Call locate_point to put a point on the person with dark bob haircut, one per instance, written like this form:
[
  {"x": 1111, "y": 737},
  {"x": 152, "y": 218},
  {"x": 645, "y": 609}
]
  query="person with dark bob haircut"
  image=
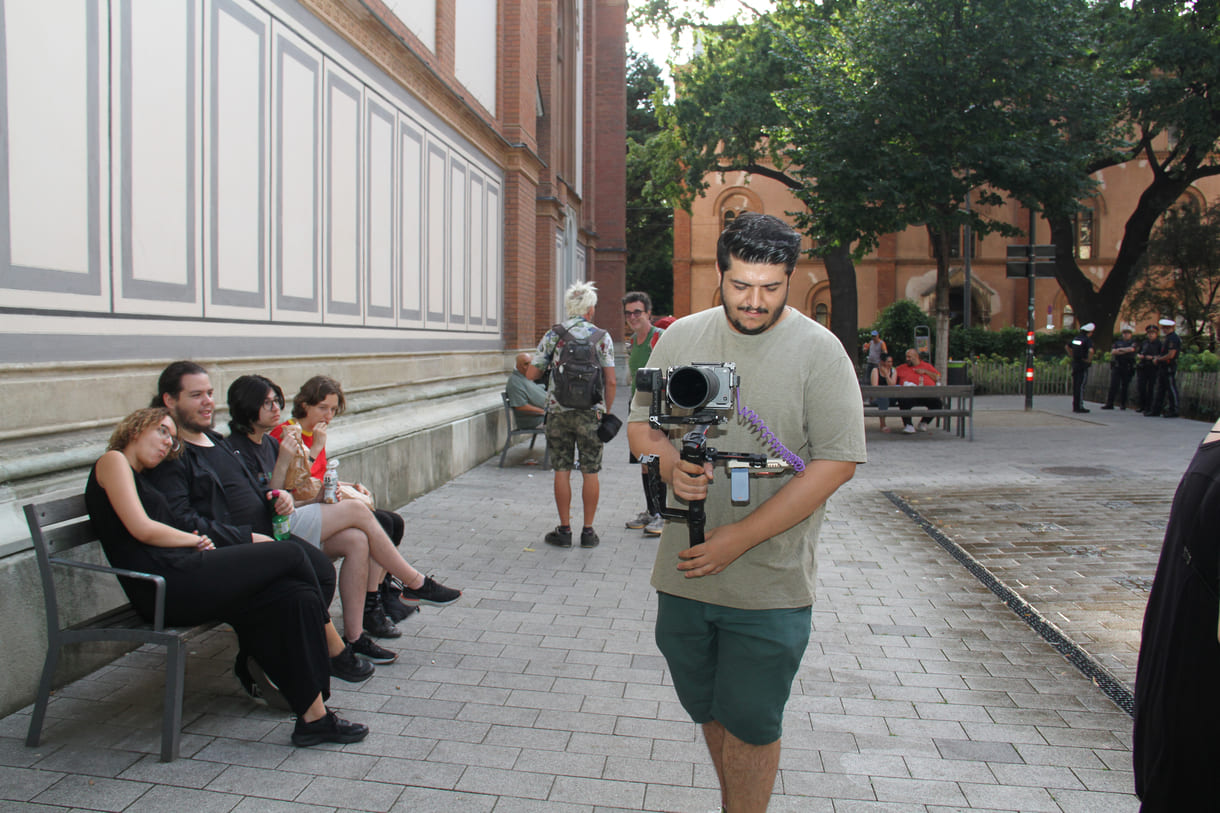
[
  {"x": 388, "y": 597},
  {"x": 268, "y": 593}
]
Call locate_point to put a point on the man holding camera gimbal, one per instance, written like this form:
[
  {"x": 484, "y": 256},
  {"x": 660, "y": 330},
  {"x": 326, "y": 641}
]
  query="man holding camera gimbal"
[{"x": 734, "y": 613}]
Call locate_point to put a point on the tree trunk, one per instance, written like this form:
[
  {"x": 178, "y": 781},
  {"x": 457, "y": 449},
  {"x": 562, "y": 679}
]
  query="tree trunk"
[
  {"x": 940, "y": 239},
  {"x": 844, "y": 309},
  {"x": 1102, "y": 306}
]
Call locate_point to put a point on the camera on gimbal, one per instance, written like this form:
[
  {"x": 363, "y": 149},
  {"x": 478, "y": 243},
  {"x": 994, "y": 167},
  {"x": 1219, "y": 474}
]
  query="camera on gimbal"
[{"x": 703, "y": 390}]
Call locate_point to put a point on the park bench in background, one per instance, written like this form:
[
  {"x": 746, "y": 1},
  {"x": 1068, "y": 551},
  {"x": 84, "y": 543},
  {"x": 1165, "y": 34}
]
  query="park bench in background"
[
  {"x": 962, "y": 410},
  {"x": 61, "y": 524},
  {"x": 510, "y": 419}
]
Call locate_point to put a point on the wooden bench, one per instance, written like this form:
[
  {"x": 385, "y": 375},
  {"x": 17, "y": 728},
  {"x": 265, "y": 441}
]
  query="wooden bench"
[
  {"x": 963, "y": 409},
  {"x": 60, "y": 524}
]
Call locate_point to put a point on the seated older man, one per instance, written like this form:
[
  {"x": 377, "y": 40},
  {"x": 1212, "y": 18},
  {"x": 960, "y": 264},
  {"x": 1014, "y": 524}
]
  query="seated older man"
[
  {"x": 527, "y": 398},
  {"x": 916, "y": 373}
]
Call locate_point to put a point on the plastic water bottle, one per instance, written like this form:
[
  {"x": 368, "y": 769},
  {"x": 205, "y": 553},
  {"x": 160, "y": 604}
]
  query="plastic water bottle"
[
  {"x": 330, "y": 482},
  {"x": 279, "y": 522}
]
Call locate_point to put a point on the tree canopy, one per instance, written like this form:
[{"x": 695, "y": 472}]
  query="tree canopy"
[{"x": 883, "y": 114}]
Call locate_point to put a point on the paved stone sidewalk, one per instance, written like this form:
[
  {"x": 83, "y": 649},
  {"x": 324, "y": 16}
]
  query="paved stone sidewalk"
[{"x": 542, "y": 689}]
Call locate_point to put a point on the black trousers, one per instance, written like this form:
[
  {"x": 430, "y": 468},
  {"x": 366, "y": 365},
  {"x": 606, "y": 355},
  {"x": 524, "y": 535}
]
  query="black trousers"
[
  {"x": 911, "y": 403},
  {"x": 1079, "y": 373},
  {"x": 1145, "y": 383},
  {"x": 1120, "y": 384},
  {"x": 269, "y": 593},
  {"x": 1166, "y": 402}
]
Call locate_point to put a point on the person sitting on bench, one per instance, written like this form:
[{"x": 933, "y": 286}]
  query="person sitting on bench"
[
  {"x": 269, "y": 592},
  {"x": 916, "y": 373},
  {"x": 346, "y": 529}
]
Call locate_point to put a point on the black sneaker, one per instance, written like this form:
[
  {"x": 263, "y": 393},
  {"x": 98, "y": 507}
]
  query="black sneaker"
[
  {"x": 367, "y": 648},
  {"x": 346, "y": 666},
  {"x": 376, "y": 622},
  {"x": 588, "y": 538},
  {"x": 559, "y": 537},
  {"x": 391, "y": 600},
  {"x": 327, "y": 729},
  {"x": 432, "y": 592},
  {"x": 265, "y": 688}
]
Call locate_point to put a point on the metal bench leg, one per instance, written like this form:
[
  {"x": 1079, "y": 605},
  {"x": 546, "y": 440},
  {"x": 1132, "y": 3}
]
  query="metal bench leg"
[
  {"x": 34, "y": 734},
  {"x": 171, "y": 717},
  {"x": 504, "y": 452}
]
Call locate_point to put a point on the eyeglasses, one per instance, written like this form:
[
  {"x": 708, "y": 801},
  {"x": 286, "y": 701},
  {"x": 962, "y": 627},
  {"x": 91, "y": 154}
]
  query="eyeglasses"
[
  {"x": 631, "y": 314},
  {"x": 273, "y": 403},
  {"x": 165, "y": 434}
]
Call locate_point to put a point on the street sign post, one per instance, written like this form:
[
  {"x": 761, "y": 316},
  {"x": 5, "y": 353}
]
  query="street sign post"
[{"x": 1030, "y": 261}]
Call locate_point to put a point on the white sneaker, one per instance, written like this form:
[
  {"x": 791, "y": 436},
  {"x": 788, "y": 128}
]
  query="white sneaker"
[
  {"x": 640, "y": 521},
  {"x": 923, "y": 427},
  {"x": 909, "y": 429},
  {"x": 655, "y": 525}
]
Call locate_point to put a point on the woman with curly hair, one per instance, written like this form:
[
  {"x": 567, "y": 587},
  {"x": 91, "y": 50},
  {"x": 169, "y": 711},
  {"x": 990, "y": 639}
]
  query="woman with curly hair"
[{"x": 267, "y": 592}]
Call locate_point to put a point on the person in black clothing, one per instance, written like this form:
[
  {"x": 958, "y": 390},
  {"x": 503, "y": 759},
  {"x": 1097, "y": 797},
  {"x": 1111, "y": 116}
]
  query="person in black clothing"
[
  {"x": 208, "y": 489},
  {"x": 1145, "y": 371},
  {"x": 1080, "y": 349},
  {"x": 1177, "y": 709},
  {"x": 1167, "y": 372},
  {"x": 346, "y": 529},
  {"x": 1122, "y": 368},
  {"x": 268, "y": 593}
]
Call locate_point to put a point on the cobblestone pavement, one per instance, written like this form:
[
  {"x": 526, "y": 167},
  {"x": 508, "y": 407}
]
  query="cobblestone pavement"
[{"x": 542, "y": 690}]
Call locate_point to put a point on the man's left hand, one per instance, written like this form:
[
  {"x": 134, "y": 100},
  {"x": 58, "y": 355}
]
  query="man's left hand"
[{"x": 720, "y": 549}]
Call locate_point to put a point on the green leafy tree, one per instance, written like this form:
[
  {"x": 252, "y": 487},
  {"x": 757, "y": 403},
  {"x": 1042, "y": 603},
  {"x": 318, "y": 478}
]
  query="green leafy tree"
[
  {"x": 650, "y": 225},
  {"x": 1167, "y": 53},
  {"x": 1181, "y": 275},
  {"x": 889, "y": 113},
  {"x": 902, "y": 110},
  {"x": 896, "y": 326}
]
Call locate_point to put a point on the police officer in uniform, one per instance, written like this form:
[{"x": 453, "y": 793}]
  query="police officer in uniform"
[
  {"x": 1146, "y": 367},
  {"x": 1167, "y": 372},
  {"x": 1122, "y": 367},
  {"x": 1081, "y": 351}
]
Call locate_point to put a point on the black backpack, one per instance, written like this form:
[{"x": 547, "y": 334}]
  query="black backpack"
[{"x": 577, "y": 377}]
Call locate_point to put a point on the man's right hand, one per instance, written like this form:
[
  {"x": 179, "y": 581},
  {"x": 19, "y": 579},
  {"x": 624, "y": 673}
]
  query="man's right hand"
[{"x": 689, "y": 480}]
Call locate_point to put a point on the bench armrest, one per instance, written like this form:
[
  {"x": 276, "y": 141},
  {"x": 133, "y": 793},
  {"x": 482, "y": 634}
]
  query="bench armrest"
[{"x": 158, "y": 583}]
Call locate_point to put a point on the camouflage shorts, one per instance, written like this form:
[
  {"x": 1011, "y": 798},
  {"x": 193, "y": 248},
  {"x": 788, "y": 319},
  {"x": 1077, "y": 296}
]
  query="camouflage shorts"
[{"x": 570, "y": 431}]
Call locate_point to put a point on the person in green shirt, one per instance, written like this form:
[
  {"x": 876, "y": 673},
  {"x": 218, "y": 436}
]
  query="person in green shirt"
[
  {"x": 641, "y": 337},
  {"x": 734, "y": 613}
]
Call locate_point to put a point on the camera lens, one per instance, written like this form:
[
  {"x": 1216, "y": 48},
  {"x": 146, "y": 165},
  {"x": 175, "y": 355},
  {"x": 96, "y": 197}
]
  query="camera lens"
[{"x": 692, "y": 387}]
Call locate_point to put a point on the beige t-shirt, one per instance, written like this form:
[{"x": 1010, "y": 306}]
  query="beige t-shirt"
[{"x": 800, "y": 381}]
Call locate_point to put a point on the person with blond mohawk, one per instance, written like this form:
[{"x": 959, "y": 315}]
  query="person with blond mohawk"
[{"x": 574, "y": 412}]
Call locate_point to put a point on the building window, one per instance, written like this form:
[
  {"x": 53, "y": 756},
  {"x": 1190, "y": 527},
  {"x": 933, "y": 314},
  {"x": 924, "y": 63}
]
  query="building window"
[
  {"x": 727, "y": 217},
  {"x": 821, "y": 314},
  {"x": 1084, "y": 234}
]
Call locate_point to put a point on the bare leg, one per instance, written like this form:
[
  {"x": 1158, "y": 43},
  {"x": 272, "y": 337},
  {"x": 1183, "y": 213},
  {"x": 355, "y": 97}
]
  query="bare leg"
[
  {"x": 316, "y": 710},
  {"x": 713, "y": 735},
  {"x": 746, "y": 772},
  {"x": 590, "y": 491},
  {"x": 350, "y": 516},
  {"x": 352, "y": 546},
  {"x": 563, "y": 496},
  {"x": 334, "y": 642}
]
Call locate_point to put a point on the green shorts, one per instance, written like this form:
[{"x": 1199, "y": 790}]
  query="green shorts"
[
  {"x": 733, "y": 666},
  {"x": 573, "y": 431}
]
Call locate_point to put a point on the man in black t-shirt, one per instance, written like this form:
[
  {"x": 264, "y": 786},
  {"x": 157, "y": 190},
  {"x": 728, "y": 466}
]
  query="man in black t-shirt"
[
  {"x": 1122, "y": 367},
  {"x": 208, "y": 489},
  {"x": 1080, "y": 349},
  {"x": 1145, "y": 369},
  {"x": 1167, "y": 372}
]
